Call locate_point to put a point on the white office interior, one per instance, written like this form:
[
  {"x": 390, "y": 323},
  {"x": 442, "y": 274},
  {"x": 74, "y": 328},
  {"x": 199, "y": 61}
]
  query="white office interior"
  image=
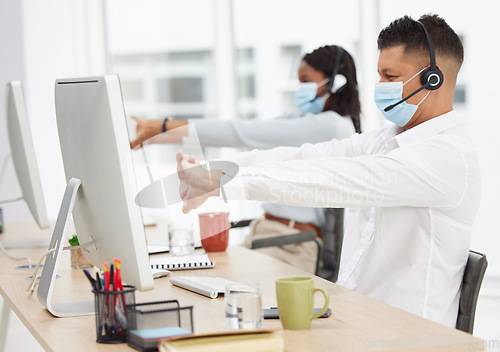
[{"x": 235, "y": 59}]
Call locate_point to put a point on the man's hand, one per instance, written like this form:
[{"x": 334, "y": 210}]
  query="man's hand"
[{"x": 196, "y": 183}]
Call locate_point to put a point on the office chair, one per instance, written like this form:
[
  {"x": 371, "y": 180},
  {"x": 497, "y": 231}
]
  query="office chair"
[
  {"x": 473, "y": 277},
  {"x": 332, "y": 234}
]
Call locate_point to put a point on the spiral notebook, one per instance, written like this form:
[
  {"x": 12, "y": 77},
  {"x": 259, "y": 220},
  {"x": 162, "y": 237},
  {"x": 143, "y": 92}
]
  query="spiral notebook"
[{"x": 182, "y": 263}]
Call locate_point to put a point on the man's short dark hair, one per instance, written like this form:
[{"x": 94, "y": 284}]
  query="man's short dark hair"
[{"x": 409, "y": 33}]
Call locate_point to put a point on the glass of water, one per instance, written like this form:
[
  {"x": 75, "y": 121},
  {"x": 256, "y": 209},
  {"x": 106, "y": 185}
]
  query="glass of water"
[
  {"x": 244, "y": 306},
  {"x": 180, "y": 238}
]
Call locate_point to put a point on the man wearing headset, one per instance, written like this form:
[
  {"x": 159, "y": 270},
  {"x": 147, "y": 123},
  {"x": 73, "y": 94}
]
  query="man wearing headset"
[{"x": 413, "y": 187}]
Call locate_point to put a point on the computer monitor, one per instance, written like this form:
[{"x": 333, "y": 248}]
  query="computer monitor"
[
  {"x": 97, "y": 163},
  {"x": 23, "y": 153}
]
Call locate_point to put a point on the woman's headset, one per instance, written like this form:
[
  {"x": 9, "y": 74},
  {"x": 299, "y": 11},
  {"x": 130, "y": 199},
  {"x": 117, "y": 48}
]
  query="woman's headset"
[{"x": 335, "y": 71}]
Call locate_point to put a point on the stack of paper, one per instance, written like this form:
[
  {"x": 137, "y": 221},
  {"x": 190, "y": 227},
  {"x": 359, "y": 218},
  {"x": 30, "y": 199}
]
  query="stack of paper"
[{"x": 238, "y": 340}]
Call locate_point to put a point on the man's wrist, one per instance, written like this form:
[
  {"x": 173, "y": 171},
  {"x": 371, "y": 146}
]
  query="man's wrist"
[
  {"x": 221, "y": 172},
  {"x": 216, "y": 176}
]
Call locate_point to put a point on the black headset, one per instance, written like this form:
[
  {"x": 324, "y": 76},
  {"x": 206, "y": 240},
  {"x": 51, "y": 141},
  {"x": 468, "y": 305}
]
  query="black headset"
[
  {"x": 431, "y": 78},
  {"x": 329, "y": 87}
]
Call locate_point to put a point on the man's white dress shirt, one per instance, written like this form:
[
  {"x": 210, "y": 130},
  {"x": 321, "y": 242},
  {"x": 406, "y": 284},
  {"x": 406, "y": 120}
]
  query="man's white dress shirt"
[{"x": 413, "y": 197}]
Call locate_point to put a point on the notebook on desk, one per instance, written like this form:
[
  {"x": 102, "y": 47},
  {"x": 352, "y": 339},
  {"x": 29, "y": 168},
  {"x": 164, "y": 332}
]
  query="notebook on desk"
[
  {"x": 264, "y": 340},
  {"x": 182, "y": 262}
]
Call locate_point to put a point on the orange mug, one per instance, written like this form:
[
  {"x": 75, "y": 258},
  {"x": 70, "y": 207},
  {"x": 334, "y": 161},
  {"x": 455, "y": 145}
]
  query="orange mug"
[{"x": 214, "y": 231}]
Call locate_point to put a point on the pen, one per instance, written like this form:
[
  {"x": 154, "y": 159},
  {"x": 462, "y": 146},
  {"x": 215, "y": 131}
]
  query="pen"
[
  {"x": 120, "y": 304},
  {"x": 115, "y": 261},
  {"x": 91, "y": 279},
  {"x": 102, "y": 279},
  {"x": 119, "y": 283},
  {"x": 112, "y": 278},
  {"x": 118, "y": 278},
  {"x": 106, "y": 277},
  {"x": 98, "y": 281}
]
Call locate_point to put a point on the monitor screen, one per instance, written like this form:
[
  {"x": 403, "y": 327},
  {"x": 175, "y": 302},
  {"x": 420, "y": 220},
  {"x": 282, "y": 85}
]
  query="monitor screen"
[
  {"x": 23, "y": 153},
  {"x": 95, "y": 149}
]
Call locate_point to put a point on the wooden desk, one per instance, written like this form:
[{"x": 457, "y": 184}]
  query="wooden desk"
[{"x": 357, "y": 322}]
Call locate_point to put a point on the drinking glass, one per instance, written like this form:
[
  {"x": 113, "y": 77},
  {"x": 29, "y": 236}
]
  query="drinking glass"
[
  {"x": 180, "y": 238},
  {"x": 244, "y": 306}
]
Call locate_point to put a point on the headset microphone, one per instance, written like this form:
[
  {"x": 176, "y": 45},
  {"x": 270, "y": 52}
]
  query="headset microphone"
[
  {"x": 390, "y": 107},
  {"x": 431, "y": 78}
]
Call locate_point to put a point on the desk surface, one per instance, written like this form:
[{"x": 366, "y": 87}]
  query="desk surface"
[{"x": 357, "y": 322}]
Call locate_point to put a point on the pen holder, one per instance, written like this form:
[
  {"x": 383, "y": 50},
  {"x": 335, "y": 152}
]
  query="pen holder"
[{"x": 111, "y": 315}]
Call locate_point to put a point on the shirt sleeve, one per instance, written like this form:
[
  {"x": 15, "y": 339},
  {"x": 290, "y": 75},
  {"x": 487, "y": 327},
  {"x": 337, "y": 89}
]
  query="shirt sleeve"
[
  {"x": 421, "y": 176},
  {"x": 356, "y": 144},
  {"x": 266, "y": 134}
]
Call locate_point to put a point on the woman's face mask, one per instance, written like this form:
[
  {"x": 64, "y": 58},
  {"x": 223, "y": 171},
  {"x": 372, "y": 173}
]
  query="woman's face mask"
[
  {"x": 306, "y": 99},
  {"x": 388, "y": 93}
]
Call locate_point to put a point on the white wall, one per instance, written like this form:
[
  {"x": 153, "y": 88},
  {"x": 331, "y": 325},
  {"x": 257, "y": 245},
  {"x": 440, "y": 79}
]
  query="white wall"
[
  {"x": 47, "y": 40},
  {"x": 156, "y": 26},
  {"x": 50, "y": 54},
  {"x": 58, "y": 43},
  {"x": 484, "y": 124},
  {"x": 12, "y": 68}
]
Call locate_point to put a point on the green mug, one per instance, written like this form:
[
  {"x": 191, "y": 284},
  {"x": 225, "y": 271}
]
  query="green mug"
[{"x": 295, "y": 297}]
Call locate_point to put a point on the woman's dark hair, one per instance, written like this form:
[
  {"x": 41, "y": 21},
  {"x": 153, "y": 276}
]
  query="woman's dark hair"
[{"x": 345, "y": 101}]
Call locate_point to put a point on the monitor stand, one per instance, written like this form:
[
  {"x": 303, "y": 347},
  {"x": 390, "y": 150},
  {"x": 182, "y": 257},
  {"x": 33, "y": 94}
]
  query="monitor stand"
[{"x": 47, "y": 280}]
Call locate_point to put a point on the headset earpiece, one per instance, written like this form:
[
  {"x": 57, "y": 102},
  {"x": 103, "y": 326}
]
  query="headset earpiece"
[
  {"x": 331, "y": 84},
  {"x": 432, "y": 78},
  {"x": 340, "y": 52}
]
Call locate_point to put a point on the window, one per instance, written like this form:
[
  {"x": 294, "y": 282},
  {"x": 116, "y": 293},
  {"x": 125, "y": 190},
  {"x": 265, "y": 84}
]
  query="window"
[
  {"x": 174, "y": 84},
  {"x": 132, "y": 89},
  {"x": 245, "y": 76},
  {"x": 180, "y": 90},
  {"x": 459, "y": 97}
]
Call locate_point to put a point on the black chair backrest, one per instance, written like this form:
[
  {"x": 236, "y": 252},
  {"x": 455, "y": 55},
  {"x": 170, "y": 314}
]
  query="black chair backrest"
[
  {"x": 473, "y": 277},
  {"x": 332, "y": 234}
]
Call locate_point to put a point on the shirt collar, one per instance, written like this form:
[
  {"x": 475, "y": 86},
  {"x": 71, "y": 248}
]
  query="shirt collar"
[{"x": 428, "y": 128}]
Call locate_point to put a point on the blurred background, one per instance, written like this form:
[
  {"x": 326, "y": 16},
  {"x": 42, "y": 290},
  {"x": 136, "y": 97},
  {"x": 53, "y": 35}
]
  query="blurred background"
[{"x": 234, "y": 59}]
